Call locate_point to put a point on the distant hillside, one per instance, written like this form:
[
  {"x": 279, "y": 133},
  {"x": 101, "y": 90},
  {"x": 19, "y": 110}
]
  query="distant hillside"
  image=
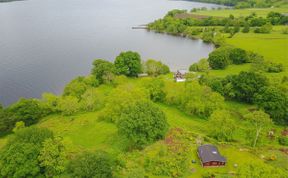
[
  {"x": 247, "y": 3},
  {"x": 9, "y": 0}
]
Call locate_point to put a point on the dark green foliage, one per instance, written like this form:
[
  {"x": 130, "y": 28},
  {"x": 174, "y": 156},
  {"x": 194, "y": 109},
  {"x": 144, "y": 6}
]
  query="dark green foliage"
[
  {"x": 96, "y": 165},
  {"x": 246, "y": 28},
  {"x": 19, "y": 158},
  {"x": 142, "y": 124},
  {"x": 242, "y": 87},
  {"x": 274, "y": 102},
  {"x": 27, "y": 110},
  {"x": 219, "y": 58},
  {"x": 238, "y": 56},
  {"x": 103, "y": 70},
  {"x": 128, "y": 63},
  {"x": 272, "y": 67},
  {"x": 172, "y": 13},
  {"x": 277, "y": 18},
  {"x": 31, "y": 135},
  {"x": 7, "y": 121},
  {"x": 155, "y": 88},
  {"x": 247, "y": 84},
  {"x": 283, "y": 140},
  {"x": 267, "y": 28}
]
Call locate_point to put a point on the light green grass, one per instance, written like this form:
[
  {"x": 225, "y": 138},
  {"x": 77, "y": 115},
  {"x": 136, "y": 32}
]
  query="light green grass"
[
  {"x": 84, "y": 132},
  {"x": 261, "y": 12},
  {"x": 273, "y": 46}
]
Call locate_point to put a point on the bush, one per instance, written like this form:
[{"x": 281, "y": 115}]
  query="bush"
[
  {"x": 219, "y": 58},
  {"x": 104, "y": 71},
  {"x": 27, "y": 110},
  {"x": 283, "y": 140},
  {"x": 274, "y": 67},
  {"x": 92, "y": 100},
  {"x": 69, "y": 105},
  {"x": 194, "y": 99},
  {"x": 79, "y": 85},
  {"x": 201, "y": 66},
  {"x": 238, "y": 56},
  {"x": 142, "y": 124},
  {"x": 155, "y": 68},
  {"x": 267, "y": 28},
  {"x": 97, "y": 165},
  {"x": 155, "y": 88},
  {"x": 222, "y": 125},
  {"x": 246, "y": 28}
]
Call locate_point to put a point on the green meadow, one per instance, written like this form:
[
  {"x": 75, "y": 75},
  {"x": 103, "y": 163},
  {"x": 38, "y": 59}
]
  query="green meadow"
[{"x": 261, "y": 12}]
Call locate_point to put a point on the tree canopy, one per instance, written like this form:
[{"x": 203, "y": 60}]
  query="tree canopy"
[
  {"x": 128, "y": 63},
  {"x": 142, "y": 123}
]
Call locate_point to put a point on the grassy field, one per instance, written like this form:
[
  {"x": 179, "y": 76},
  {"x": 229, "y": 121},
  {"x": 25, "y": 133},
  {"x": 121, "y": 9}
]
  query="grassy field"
[{"x": 261, "y": 12}]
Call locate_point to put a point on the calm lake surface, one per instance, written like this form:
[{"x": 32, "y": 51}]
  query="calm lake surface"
[{"x": 46, "y": 43}]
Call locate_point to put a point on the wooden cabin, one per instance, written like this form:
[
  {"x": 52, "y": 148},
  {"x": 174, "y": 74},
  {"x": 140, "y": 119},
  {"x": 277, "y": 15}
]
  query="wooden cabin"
[{"x": 210, "y": 156}]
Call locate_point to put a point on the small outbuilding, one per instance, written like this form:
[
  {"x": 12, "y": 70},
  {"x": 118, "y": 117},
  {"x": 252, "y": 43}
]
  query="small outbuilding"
[
  {"x": 179, "y": 76},
  {"x": 210, "y": 156}
]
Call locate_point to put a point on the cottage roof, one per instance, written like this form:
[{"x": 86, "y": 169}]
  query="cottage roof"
[{"x": 209, "y": 153}]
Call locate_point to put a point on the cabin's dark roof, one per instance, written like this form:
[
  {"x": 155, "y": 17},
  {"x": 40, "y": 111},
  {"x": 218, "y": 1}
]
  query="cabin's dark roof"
[{"x": 209, "y": 153}]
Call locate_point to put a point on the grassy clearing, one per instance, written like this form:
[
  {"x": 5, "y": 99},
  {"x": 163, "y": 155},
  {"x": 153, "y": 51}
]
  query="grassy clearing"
[
  {"x": 261, "y": 12},
  {"x": 272, "y": 46},
  {"x": 84, "y": 132}
]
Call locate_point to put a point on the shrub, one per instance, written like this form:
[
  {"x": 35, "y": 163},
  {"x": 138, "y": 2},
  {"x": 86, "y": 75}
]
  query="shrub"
[
  {"x": 238, "y": 56},
  {"x": 155, "y": 88},
  {"x": 103, "y": 71},
  {"x": 267, "y": 28},
  {"x": 219, "y": 58},
  {"x": 222, "y": 125},
  {"x": 97, "y": 165},
  {"x": 283, "y": 140},
  {"x": 194, "y": 99},
  {"x": 79, "y": 85},
  {"x": 27, "y": 110},
  {"x": 68, "y": 105},
  {"x": 201, "y": 66},
  {"x": 155, "y": 68}
]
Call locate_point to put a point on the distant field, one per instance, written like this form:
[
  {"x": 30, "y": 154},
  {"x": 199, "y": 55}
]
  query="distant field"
[
  {"x": 241, "y": 12},
  {"x": 273, "y": 46}
]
